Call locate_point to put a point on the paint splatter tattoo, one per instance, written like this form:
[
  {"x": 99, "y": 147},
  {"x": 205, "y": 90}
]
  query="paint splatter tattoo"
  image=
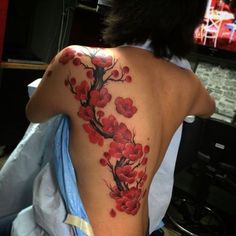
[{"x": 125, "y": 159}]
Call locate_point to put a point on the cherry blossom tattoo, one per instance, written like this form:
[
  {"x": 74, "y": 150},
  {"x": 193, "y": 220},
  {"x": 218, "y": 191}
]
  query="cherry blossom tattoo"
[{"x": 125, "y": 159}]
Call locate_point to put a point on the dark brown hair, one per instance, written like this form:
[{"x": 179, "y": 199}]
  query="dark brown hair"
[{"x": 170, "y": 24}]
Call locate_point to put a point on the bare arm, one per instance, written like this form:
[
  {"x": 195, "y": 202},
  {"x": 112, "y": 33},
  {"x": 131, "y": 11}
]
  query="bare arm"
[
  {"x": 203, "y": 104},
  {"x": 49, "y": 98}
]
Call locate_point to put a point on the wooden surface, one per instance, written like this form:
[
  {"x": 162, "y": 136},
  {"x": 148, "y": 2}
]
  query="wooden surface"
[{"x": 25, "y": 66}]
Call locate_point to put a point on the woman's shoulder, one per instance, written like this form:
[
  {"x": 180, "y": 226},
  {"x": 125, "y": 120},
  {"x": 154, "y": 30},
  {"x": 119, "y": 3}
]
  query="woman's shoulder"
[
  {"x": 76, "y": 56},
  {"x": 73, "y": 51}
]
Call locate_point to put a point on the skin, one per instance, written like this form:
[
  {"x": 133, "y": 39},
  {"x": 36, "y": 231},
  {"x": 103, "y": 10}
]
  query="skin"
[{"x": 163, "y": 95}]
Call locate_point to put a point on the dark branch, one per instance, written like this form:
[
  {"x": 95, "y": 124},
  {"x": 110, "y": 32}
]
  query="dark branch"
[{"x": 100, "y": 131}]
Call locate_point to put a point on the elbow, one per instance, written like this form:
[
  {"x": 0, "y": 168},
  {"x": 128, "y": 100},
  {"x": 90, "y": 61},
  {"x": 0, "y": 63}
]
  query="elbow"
[
  {"x": 213, "y": 105},
  {"x": 210, "y": 109},
  {"x": 36, "y": 114},
  {"x": 30, "y": 114}
]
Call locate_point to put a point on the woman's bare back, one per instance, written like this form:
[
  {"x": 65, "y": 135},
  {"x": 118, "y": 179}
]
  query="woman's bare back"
[{"x": 124, "y": 106}]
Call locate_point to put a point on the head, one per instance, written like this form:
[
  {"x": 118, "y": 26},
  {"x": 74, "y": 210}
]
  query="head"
[{"x": 170, "y": 24}]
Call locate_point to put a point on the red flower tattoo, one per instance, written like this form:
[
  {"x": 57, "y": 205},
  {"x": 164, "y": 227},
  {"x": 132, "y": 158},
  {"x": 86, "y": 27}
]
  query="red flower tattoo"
[
  {"x": 126, "y": 174},
  {"x": 125, "y": 107},
  {"x": 124, "y": 158},
  {"x": 144, "y": 161},
  {"x": 146, "y": 149},
  {"x": 100, "y": 114},
  {"x": 115, "y": 193},
  {"x": 125, "y": 69},
  {"x": 116, "y": 149},
  {"x": 102, "y": 61},
  {"x": 128, "y": 79},
  {"x": 115, "y": 73},
  {"x": 107, "y": 156},
  {"x": 86, "y": 113},
  {"x": 94, "y": 137},
  {"x": 130, "y": 201},
  {"x": 90, "y": 74},
  {"x": 122, "y": 134},
  {"x": 67, "y": 55},
  {"x": 103, "y": 162},
  {"x": 100, "y": 98},
  {"x": 72, "y": 81},
  {"x": 82, "y": 90},
  {"x": 133, "y": 151},
  {"x": 110, "y": 124},
  {"x": 76, "y": 61},
  {"x": 142, "y": 178}
]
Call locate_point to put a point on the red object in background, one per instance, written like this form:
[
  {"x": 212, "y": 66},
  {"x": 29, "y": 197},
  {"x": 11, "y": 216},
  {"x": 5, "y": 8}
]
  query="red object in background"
[{"x": 3, "y": 19}]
